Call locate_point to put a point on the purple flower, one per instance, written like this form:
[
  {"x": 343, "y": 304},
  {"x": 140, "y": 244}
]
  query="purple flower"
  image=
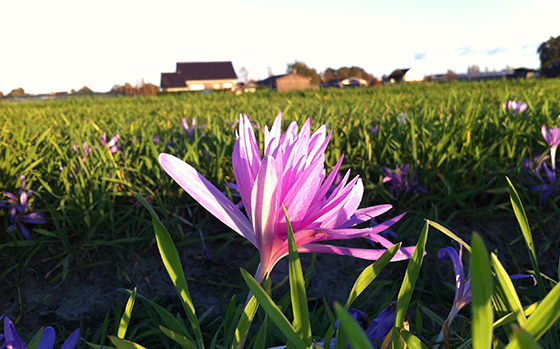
[
  {"x": 21, "y": 212},
  {"x": 291, "y": 173},
  {"x": 379, "y": 327},
  {"x": 156, "y": 139},
  {"x": 14, "y": 341},
  {"x": 112, "y": 145},
  {"x": 517, "y": 107},
  {"x": 375, "y": 130},
  {"x": 86, "y": 152},
  {"x": 401, "y": 182},
  {"x": 190, "y": 130},
  {"x": 546, "y": 184},
  {"x": 463, "y": 293},
  {"x": 552, "y": 137}
]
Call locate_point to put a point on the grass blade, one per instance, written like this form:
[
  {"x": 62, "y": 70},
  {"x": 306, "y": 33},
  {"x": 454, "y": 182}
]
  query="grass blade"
[
  {"x": 180, "y": 339},
  {"x": 482, "y": 287},
  {"x": 510, "y": 294},
  {"x": 357, "y": 336},
  {"x": 297, "y": 289},
  {"x": 405, "y": 293},
  {"x": 125, "y": 319},
  {"x": 124, "y": 344},
  {"x": 370, "y": 273},
  {"x": 274, "y": 312}
]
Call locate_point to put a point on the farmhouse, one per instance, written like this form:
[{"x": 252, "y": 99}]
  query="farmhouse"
[
  {"x": 286, "y": 82},
  {"x": 196, "y": 76},
  {"x": 408, "y": 75}
]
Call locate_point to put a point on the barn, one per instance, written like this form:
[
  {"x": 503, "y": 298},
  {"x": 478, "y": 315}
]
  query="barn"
[
  {"x": 196, "y": 76},
  {"x": 286, "y": 82}
]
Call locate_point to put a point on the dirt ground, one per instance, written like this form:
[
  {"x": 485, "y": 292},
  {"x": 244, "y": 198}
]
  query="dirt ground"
[{"x": 86, "y": 295}]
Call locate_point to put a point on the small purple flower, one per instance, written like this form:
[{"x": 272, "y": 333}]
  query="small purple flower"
[
  {"x": 531, "y": 177},
  {"x": 86, "y": 152},
  {"x": 401, "y": 182},
  {"x": 516, "y": 106},
  {"x": 375, "y": 130},
  {"x": 552, "y": 137},
  {"x": 112, "y": 145},
  {"x": 190, "y": 130},
  {"x": 20, "y": 210},
  {"x": 14, "y": 341},
  {"x": 156, "y": 139}
]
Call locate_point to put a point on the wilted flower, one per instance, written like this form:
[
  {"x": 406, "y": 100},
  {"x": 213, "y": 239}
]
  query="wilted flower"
[
  {"x": 401, "y": 182},
  {"x": 190, "y": 130},
  {"x": 291, "y": 174},
  {"x": 552, "y": 137},
  {"x": 375, "y": 130},
  {"x": 14, "y": 341},
  {"x": 20, "y": 210},
  {"x": 517, "y": 107},
  {"x": 112, "y": 145}
]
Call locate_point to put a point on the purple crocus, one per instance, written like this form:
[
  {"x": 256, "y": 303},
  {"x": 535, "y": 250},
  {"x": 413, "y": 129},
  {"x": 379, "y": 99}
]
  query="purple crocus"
[
  {"x": 531, "y": 176},
  {"x": 190, "y": 130},
  {"x": 516, "y": 106},
  {"x": 400, "y": 182},
  {"x": 156, "y": 139},
  {"x": 14, "y": 341},
  {"x": 291, "y": 174},
  {"x": 85, "y": 153},
  {"x": 112, "y": 145},
  {"x": 463, "y": 293},
  {"x": 379, "y": 327},
  {"x": 375, "y": 130},
  {"x": 21, "y": 212},
  {"x": 552, "y": 137}
]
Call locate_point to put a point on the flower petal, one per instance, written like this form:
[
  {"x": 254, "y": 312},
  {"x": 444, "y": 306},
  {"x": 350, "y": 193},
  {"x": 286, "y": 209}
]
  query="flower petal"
[
  {"x": 363, "y": 253},
  {"x": 47, "y": 341},
  {"x": 207, "y": 195}
]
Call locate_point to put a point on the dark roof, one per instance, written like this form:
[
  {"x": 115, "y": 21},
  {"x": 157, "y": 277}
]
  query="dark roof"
[
  {"x": 398, "y": 74},
  {"x": 197, "y": 71},
  {"x": 271, "y": 79},
  {"x": 206, "y": 70}
]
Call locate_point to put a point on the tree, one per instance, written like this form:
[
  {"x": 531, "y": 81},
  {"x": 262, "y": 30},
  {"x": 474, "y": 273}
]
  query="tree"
[
  {"x": 17, "y": 92},
  {"x": 347, "y": 72},
  {"x": 85, "y": 89},
  {"x": 302, "y": 69},
  {"x": 549, "y": 54}
]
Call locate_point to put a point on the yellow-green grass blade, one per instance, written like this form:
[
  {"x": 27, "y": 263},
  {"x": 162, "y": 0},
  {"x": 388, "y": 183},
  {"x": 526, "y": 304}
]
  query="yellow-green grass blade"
[
  {"x": 180, "y": 339},
  {"x": 274, "y": 312},
  {"x": 410, "y": 277},
  {"x": 370, "y": 273},
  {"x": 124, "y": 344},
  {"x": 125, "y": 319},
  {"x": 357, "y": 336},
  {"x": 298, "y": 295},
  {"x": 509, "y": 290},
  {"x": 412, "y": 341},
  {"x": 482, "y": 288}
]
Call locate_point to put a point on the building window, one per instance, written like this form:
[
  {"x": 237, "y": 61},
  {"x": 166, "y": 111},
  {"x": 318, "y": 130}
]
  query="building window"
[
  {"x": 196, "y": 87},
  {"x": 216, "y": 86},
  {"x": 227, "y": 85}
]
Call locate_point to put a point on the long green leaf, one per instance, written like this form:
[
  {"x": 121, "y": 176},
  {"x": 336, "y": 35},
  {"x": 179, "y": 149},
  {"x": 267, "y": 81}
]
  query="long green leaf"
[
  {"x": 172, "y": 263},
  {"x": 410, "y": 277},
  {"x": 545, "y": 315},
  {"x": 523, "y": 339},
  {"x": 357, "y": 336},
  {"x": 412, "y": 341},
  {"x": 526, "y": 230},
  {"x": 509, "y": 290},
  {"x": 273, "y": 311},
  {"x": 449, "y": 233},
  {"x": 298, "y": 295},
  {"x": 125, "y": 319},
  {"x": 124, "y": 344},
  {"x": 182, "y": 340},
  {"x": 482, "y": 287},
  {"x": 370, "y": 273}
]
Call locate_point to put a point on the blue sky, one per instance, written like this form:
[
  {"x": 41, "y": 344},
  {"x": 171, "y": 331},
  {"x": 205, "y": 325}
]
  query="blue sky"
[{"x": 57, "y": 45}]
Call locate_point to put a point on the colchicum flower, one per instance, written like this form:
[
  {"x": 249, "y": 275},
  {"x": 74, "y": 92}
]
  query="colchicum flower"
[
  {"x": 14, "y": 341},
  {"x": 400, "y": 183},
  {"x": 87, "y": 151},
  {"x": 531, "y": 177},
  {"x": 463, "y": 293},
  {"x": 517, "y": 107},
  {"x": 190, "y": 130},
  {"x": 290, "y": 174},
  {"x": 552, "y": 137},
  {"x": 112, "y": 145},
  {"x": 20, "y": 210},
  {"x": 375, "y": 130}
]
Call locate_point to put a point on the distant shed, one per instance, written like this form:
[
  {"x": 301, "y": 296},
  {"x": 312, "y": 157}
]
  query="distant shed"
[
  {"x": 286, "y": 82},
  {"x": 194, "y": 76}
]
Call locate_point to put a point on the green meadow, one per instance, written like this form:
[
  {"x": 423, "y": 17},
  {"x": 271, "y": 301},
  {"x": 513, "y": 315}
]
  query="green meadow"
[{"x": 457, "y": 137}]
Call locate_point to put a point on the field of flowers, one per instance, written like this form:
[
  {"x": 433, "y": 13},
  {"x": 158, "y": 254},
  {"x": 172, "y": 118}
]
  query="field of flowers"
[{"x": 70, "y": 171}]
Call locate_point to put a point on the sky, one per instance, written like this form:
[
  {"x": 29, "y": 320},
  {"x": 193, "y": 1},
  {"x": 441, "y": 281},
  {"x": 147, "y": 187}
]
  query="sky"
[{"x": 58, "y": 45}]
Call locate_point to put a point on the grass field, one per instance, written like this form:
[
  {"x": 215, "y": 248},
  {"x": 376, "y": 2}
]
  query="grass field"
[{"x": 457, "y": 138}]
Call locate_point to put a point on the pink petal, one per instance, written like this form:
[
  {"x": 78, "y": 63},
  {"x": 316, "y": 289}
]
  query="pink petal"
[
  {"x": 365, "y": 214},
  {"x": 363, "y": 253},
  {"x": 264, "y": 201},
  {"x": 207, "y": 195}
]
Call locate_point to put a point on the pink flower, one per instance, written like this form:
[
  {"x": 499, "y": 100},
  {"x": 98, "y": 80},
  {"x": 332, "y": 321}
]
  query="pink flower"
[
  {"x": 516, "y": 106},
  {"x": 291, "y": 173},
  {"x": 552, "y": 137}
]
